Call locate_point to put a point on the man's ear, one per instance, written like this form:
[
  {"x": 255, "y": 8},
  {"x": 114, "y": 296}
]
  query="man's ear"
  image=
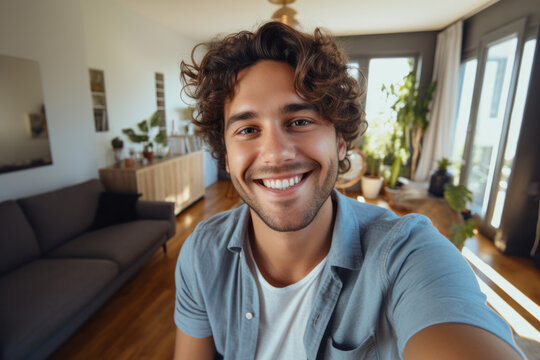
[
  {"x": 227, "y": 164},
  {"x": 342, "y": 147}
]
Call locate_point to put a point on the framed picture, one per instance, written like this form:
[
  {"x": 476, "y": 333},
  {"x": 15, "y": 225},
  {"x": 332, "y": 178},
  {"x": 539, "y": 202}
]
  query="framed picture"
[{"x": 38, "y": 126}]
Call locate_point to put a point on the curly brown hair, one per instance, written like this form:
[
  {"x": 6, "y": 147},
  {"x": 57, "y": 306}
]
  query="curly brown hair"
[{"x": 320, "y": 77}]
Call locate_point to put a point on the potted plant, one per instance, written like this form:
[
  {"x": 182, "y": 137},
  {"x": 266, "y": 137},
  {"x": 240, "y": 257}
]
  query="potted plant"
[
  {"x": 372, "y": 181},
  {"x": 457, "y": 197},
  {"x": 148, "y": 129},
  {"x": 411, "y": 107},
  {"x": 117, "y": 143},
  {"x": 440, "y": 177},
  {"x": 376, "y": 146},
  {"x": 118, "y": 146}
]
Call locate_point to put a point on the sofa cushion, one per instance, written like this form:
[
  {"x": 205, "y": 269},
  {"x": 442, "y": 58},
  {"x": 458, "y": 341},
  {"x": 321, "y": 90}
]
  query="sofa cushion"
[
  {"x": 40, "y": 297},
  {"x": 115, "y": 208},
  {"x": 60, "y": 215},
  {"x": 122, "y": 243},
  {"x": 18, "y": 243}
]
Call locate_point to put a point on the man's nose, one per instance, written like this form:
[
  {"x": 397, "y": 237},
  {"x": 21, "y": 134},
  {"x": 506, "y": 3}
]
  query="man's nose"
[{"x": 277, "y": 147}]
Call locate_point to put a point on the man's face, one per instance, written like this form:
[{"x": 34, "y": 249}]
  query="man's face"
[{"x": 282, "y": 156}]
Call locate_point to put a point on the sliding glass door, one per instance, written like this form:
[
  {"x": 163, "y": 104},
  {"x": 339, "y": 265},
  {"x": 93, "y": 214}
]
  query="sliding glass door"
[
  {"x": 514, "y": 130},
  {"x": 494, "y": 107},
  {"x": 489, "y": 121}
]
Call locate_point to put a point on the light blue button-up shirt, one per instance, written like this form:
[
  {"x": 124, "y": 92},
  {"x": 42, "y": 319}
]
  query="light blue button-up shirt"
[{"x": 386, "y": 278}]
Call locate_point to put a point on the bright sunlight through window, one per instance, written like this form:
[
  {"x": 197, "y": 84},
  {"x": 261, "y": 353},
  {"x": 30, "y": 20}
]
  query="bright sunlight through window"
[{"x": 521, "y": 326}]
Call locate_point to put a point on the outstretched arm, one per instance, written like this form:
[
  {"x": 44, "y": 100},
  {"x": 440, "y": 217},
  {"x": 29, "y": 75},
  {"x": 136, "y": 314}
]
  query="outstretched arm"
[
  {"x": 192, "y": 348},
  {"x": 457, "y": 341}
]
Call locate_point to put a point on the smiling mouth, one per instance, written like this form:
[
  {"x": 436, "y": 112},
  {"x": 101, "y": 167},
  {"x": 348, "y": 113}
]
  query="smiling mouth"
[{"x": 282, "y": 183}]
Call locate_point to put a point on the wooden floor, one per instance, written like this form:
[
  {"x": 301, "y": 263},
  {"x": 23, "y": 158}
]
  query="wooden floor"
[{"x": 137, "y": 322}]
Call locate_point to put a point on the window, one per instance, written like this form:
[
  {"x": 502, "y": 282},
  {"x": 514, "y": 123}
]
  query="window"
[
  {"x": 515, "y": 127},
  {"x": 491, "y": 101},
  {"x": 464, "y": 101},
  {"x": 384, "y": 71},
  {"x": 490, "y": 120}
]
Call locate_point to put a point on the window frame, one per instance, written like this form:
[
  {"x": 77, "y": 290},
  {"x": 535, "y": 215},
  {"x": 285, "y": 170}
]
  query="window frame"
[{"x": 515, "y": 28}]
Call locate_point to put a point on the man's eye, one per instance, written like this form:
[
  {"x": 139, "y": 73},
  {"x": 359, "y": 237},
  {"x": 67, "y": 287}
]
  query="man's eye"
[
  {"x": 247, "y": 131},
  {"x": 300, "y": 122}
]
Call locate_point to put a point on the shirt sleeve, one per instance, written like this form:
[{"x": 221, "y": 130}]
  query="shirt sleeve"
[
  {"x": 189, "y": 311},
  {"x": 431, "y": 283}
]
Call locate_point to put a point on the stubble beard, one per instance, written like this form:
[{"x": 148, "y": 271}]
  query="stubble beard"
[{"x": 287, "y": 223}]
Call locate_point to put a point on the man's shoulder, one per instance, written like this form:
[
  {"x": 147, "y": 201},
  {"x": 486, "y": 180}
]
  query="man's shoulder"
[{"x": 217, "y": 231}]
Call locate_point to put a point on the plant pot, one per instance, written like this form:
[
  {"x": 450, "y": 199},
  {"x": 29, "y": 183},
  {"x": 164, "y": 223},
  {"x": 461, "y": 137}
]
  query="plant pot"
[
  {"x": 466, "y": 214},
  {"x": 128, "y": 162},
  {"x": 371, "y": 186},
  {"x": 148, "y": 155},
  {"x": 438, "y": 179},
  {"x": 389, "y": 194}
]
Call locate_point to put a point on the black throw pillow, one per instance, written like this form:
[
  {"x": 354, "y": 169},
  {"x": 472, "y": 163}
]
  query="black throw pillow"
[{"x": 115, "y": 208}]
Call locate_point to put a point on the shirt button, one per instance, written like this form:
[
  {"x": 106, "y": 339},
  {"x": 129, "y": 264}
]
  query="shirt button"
[
  {"x": 241, "y": 254},
  {"x": 249, "y": 316}
]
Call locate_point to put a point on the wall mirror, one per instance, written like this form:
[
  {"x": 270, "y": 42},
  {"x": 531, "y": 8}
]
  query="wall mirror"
[{"x": 24, "y": 139}]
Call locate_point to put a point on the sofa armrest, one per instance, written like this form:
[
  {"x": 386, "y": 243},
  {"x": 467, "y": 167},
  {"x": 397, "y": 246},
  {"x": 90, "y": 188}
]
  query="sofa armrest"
[{"x": 158, "y": 210}]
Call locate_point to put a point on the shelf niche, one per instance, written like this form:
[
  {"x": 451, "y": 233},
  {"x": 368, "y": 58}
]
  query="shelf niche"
[{"x": 99, "y": 100}]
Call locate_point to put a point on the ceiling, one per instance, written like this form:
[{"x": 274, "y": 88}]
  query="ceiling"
[{"x": 202, "y": 20}]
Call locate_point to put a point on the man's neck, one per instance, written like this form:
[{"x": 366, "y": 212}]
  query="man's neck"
[{"x": 285, "y": 258}]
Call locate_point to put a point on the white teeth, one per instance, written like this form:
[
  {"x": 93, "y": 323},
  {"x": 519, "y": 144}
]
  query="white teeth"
[{"x": 282, "y": 184}]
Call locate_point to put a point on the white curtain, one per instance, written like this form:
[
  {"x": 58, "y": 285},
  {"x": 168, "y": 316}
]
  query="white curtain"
[{"x": 437, "y": 139}]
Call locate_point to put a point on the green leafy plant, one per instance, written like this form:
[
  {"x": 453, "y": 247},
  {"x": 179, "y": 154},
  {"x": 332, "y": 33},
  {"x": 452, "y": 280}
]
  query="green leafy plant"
[
  {"x": 146, "y": 127},
  {"x": 411, "y": 107},
  {"x": 443, "y": 164},
  {"x": 117, "y": 143},
  {"x": 461, "y": 232},
  {"x": 457, "y": 197}
]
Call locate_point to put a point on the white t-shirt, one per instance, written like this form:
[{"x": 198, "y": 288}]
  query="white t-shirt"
[{"x": 284, "y": 313}]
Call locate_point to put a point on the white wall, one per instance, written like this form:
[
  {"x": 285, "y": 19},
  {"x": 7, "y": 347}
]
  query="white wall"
[
  {"x": 129, "y": 49},
  {"x": 51, "y": 32},
  {"x": 67, "y": 37}
]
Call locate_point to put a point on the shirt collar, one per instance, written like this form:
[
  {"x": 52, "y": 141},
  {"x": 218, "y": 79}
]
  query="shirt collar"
[
  {"x": 240, "y": 222},
  {"x": 345, "y": 251}
]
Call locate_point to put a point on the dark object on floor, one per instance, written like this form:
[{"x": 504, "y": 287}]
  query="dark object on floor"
[
  {"x": 437, "y": 181},
  {"x": 56, "y": 271}
]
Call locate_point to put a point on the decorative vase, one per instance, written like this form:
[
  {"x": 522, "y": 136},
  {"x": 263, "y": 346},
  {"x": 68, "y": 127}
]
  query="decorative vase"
[
  {"x": 118, "y": 157},
  {"x": 437, "y": 181},
  {"x": 371, "y": 186}
]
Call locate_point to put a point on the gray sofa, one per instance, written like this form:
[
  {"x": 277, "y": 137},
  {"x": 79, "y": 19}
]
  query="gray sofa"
[{"x": 55, "y": 271}]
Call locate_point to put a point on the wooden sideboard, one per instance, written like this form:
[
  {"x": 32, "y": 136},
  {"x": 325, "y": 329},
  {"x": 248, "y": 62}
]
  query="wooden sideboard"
[{"x": 178, "y": 179}]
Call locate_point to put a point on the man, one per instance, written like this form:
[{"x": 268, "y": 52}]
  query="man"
[{"x": 300, "y": 271}]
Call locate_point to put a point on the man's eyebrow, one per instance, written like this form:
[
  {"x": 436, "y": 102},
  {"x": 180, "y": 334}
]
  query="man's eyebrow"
[
  {"x": 294, "y": 107},
  {"x": 246, "y": 115}
]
